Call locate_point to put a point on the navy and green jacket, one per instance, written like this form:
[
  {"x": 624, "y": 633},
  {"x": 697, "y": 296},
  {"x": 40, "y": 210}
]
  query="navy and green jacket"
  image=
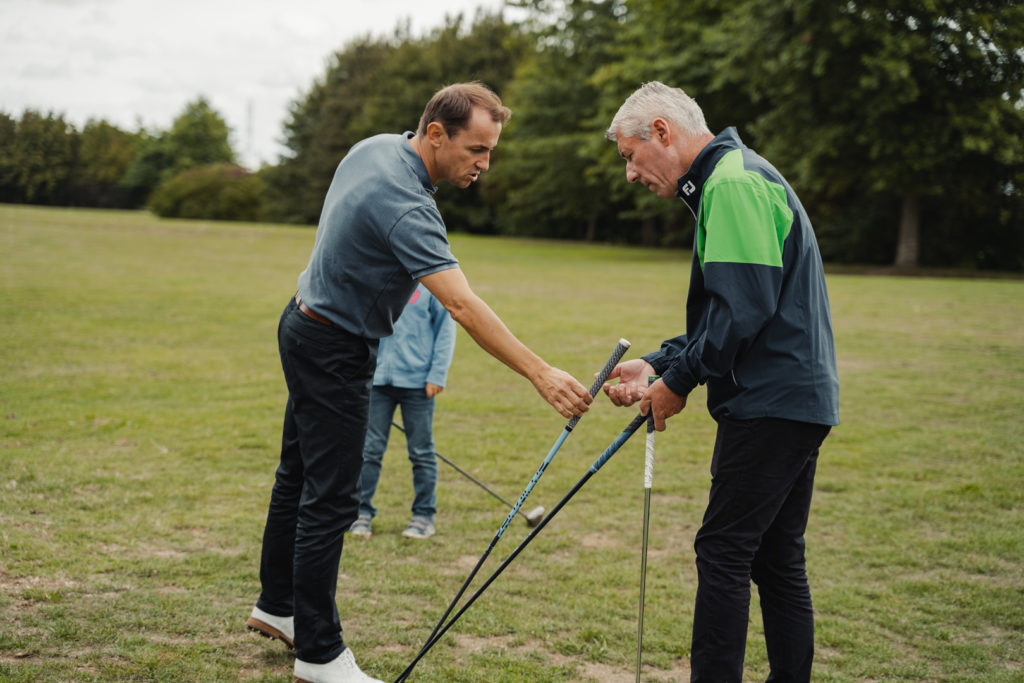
[{"x": 758, "y": 326}]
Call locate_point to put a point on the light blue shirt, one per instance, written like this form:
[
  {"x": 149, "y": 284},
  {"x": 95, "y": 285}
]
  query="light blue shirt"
[
  {"x": 421, "y": 348},
  {"x": 379, "y": 232}
]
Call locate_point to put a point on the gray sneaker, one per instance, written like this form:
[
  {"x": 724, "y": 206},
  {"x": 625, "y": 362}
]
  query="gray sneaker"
[
  {"x": 361, "y": 527},
  {"x": 419, "y": 527}
]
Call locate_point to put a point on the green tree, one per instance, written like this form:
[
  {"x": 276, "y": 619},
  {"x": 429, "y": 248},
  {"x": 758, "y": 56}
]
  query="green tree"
[
  {"x": 380, "y": 86},
  {"x": 198, "y": 136},
  {"x": 555, "y": 139},
  {"x": 318, "y": 131},
  {"x": 43, "y": 157},
  {"x": 105, "y": 154},
  {"x": 920, "y": 102},
  {"x": 215, "y": 192},
  {"x": 9, "y": 191}
]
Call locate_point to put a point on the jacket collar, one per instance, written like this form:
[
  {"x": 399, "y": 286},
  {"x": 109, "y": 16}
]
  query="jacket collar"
[{"x": 690, "y": 185}]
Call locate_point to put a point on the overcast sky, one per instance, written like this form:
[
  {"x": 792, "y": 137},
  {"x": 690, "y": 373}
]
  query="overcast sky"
[{"x": 139, "y": 62}]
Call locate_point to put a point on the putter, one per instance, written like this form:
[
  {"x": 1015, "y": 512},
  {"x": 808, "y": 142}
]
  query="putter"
[
  {"x": 532, "y": 517},
  {"x": 616, "y": 356},
  {"x": 648, "y": 479},
  {"x": 598, "y": 464}
]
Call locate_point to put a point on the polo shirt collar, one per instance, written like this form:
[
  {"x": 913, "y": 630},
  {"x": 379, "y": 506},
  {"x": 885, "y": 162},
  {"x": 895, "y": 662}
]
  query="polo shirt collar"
[{"x": 416, "y": 163}]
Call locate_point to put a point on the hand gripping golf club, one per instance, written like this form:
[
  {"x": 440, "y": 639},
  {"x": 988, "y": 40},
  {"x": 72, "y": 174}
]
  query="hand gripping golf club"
[
  {"x": 617, "y": 354},
  {"x": 648, "y": 480},
  {"x": 598, "y": 464},
  {"x": 532, "y": 518}
]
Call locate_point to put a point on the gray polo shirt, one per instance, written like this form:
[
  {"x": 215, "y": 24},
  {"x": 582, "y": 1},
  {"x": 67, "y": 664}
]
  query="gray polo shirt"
[{"x": 379, "y": 232}]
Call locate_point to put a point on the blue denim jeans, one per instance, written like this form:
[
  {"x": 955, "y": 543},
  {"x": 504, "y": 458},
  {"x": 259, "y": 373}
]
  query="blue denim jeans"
[
  {"x": 315, "y": 497},
  {"x": 762, "y": 474},
  {"x": 418, "y": 423}
]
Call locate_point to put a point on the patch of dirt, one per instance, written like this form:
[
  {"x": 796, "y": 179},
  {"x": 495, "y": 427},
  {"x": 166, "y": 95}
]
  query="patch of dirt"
[
  {"x": 600, "y": 539},
  {"x": 589, "y": 672}
]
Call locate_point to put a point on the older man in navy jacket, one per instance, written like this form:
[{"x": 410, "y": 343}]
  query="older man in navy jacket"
[{"x": 759, "y": 335}]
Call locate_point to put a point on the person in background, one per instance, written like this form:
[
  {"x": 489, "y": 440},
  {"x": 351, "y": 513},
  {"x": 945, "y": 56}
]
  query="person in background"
[
  {"x": 759, "y": 334},
  {"x": 412, "y": 369},
  {"x": 379, "y": 233}
]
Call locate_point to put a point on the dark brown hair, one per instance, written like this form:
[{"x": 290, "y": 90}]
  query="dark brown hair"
[{"x": 452, "y": 106}]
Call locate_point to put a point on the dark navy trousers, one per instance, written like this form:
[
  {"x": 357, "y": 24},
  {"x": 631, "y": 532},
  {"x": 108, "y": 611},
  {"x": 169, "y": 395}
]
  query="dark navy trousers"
[
  {"x": 753, "y": 529},
  {"x": 315, "y": 497}
]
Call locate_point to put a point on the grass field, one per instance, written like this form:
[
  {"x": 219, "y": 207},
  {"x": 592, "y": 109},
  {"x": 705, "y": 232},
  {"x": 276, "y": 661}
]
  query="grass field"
[{"x": 141, "y": 400}]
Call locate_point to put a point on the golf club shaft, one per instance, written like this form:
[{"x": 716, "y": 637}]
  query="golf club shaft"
[
  {"x": 643, "y": 582},
  {"x": 464, "y": 473},
  {"x": 598, "y": 464},
  {"x": 648, "y": 481},
  {"x": 616, "y": 356}
]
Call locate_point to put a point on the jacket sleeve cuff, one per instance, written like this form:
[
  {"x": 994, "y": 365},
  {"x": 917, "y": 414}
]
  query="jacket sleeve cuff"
[
  {"x": 678, "y": 379},
  {"x": 659, "y": 361}
]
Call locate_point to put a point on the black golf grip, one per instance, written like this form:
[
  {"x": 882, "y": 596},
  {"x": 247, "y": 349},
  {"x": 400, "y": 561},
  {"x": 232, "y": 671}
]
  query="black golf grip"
[{"x": 613, "y": 360}]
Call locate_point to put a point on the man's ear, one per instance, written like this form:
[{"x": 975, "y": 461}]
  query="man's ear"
[
  {"x": 661, "y": 131},
  {"x": 435, "y": 133}
]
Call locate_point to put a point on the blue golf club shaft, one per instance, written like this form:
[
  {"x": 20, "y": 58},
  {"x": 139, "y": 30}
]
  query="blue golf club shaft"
[
  {"x": 616, "y": 356},
  {"x": 630, "y": 429}
]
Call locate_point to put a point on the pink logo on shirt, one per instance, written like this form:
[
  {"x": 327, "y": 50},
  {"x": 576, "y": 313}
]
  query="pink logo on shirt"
[{"x": 415, "y": 296}]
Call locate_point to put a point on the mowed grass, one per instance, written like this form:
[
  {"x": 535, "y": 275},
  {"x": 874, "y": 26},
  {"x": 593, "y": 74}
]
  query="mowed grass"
[{"x": 141, "y": 399}]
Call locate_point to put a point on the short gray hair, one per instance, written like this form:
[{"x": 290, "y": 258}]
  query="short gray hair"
[{"x": 653, "y": 100}]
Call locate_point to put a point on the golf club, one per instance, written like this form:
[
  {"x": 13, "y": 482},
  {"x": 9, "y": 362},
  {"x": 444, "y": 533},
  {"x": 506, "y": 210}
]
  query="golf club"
[
  {"x": 648, "y": 480},
  {"x": 616, "y": 356},
  {"x": 598, "y": 464},
  {"x": 532, "y": 517}
]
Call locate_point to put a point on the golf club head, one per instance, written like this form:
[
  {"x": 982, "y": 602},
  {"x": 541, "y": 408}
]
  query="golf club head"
[{"x": 534, "y": 516}]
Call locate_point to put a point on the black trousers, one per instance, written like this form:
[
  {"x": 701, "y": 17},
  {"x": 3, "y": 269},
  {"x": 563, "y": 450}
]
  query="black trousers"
[
  {"x": 315, "y": 497},
  {"x": 762, "y": 475}
]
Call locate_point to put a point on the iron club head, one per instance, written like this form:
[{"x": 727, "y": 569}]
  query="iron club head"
[{"x": 534, "y": 516}]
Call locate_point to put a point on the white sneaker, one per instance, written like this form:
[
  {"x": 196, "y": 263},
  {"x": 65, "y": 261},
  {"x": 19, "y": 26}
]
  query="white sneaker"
[
  {"x": 361, "y": 527},
  {"x": 342, "y": 669},
  {"x": 269, "y": 626},
  {"x": 419, "y": 527}
]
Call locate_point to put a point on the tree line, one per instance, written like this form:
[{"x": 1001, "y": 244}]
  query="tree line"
[
  {"x": 189, "y": 170},
  {"x": 900, "y": 124}
]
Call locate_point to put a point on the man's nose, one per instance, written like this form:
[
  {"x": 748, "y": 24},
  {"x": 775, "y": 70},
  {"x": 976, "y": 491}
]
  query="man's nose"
[
  {"x": 484, "y": 163},
  {"x": 631, "y": 175}
]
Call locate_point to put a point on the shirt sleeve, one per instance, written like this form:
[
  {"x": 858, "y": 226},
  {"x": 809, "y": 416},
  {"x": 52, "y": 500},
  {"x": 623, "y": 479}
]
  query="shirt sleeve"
[
  {"x": 420, "y": 242},
  {"x": 443, "y": 328}
]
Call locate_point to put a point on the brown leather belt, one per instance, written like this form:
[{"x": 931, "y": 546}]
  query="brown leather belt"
[{"x": 311, "y": 313}]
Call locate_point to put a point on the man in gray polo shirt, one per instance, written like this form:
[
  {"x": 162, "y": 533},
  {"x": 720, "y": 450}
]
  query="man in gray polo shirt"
[{"x": 379, "y": 233}]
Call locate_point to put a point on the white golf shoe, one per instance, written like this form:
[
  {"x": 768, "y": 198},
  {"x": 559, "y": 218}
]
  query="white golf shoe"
[
  {"x": 269, "y": 626},
  {"x": 342, "y": 669}
]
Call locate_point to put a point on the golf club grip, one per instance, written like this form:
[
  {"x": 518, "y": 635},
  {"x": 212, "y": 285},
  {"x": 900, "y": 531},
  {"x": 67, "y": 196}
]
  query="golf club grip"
[
  {"x": 613, "y": 360},
  {"x": 649, "y": 444},
  {"x": 649, "y": 457}
]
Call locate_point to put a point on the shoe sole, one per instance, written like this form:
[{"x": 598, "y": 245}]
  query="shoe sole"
[
  {"x": 268, "y": 631},
  {"x": 418, "y": 537}
]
